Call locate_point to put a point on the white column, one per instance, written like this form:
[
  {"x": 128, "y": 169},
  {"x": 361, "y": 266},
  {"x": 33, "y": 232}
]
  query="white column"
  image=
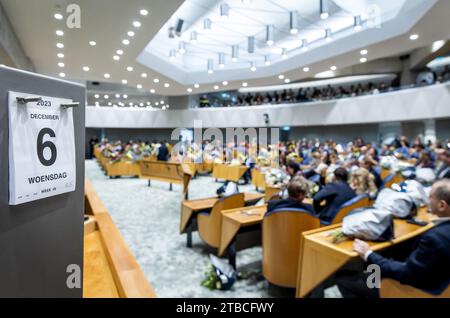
[
  {"x": 388, "y": 131},
  {"x": 430, "y": 130}
]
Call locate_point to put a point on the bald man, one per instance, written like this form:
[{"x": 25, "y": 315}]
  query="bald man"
[{"x": 427, "y": 266}]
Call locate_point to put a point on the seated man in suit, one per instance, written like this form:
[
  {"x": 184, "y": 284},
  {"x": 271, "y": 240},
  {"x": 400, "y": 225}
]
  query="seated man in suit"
[
  {"x": 425, "y": 268},
  {"x": 297, "y": 189},
  {"x": 334, "y": 195},
  {"x": 443, "y": 172}
]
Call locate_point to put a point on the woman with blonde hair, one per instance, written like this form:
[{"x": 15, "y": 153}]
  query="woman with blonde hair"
[{"x": 362, "y": 181}]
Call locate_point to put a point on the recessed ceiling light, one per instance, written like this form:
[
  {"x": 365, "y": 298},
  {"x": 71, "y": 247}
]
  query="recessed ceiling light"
[
  {"x": 129, "y": 69},
  {"x": 137, "y": 24},
  {"x": 97, "y": 104},
  {"x": 116, "y": 57},
  {"x": 162, "y": 102},
  {"x": 124, "y": 81},
  {"x": 148, "y": 103},
  {"x": 130, "y": 33},
  {"x": 166, "y": 85},
  {"x": 117, "y": 95},
  {"x": 196, "y": 85},
  {"x": 245, "y": 84},
  {"x": 139, "y": 86},
  {"x": 86, "y": 68},
  {"x": 216, "y": 87},
  {"x": 60, "y": 55},
  {"x": 144, "y": 75},
  {"x": 189, "y": 90},
  {"x": 413, "y": 37},
  {"x": 97, "y": 96},
  {"x": 120, "y": 52},
  {"x": 131, "y": 104},
  {"x": 58, "y": 16},
  {"x": 364, "y": 52},
  {"x": 224, "y": 83},
  {"x": 107, "y": 75},
  {"x": 141, "y": 104},
  {"x": 106, "y": 96},
  {"x": 287, "y": 80},
  {"x": 363, "y": 60},
  {"x": 126, "y": 42},
  {"x": 125, "y": 96},
  {"x": 281, "y": 76},
  {"x": 59, "y": 33},
  {"x": 109, "y": 104},
  {"x": 61, "y": 64},
  {"x": 306, "y": 69},
  {"x": 333, "y": 68},
  {"x": 59, "y": 45},
  {"x": 92, "y": 43},
  {"x": 152, "y": 91},
  {"x": 143, "y": 12},
  {"x": 156, "y": 80},
  {"x": 156, "y": 104}
]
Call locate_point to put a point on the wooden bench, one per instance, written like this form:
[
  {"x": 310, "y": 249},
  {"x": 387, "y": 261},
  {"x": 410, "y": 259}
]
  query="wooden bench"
[
  {"x": 166, "y": 172},
  {"x": 259, "y": 179},
  {"x": 122, "y": 169},
  {"x": 191, "y": 208},
  {"x": 97, "y": 152},
  {"x": 239, "y": 228},
  {"x": 110, "y": 269},
  {"x": 271, "y": 192},
  {"x": 229, "y": 173},
  {"x": 393, "y": 289}
]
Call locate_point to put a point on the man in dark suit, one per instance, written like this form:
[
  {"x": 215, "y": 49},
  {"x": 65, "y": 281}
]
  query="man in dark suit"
[
  {"x": 333, "y": 195},
  {"x": 163, "y": 152},
  {"x": 444, "y": 171},
  {"x": 425, "y": 268},
  {"x": 297, "y": 189}
]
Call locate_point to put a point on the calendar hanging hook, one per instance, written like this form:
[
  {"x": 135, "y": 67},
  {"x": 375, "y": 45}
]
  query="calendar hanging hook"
[
  {"x": 69, "y": 105},
  {"x": 25, "y": 100}
]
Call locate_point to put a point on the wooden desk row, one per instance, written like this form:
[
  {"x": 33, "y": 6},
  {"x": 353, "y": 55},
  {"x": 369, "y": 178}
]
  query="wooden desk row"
[
  {"x": 320, "y": 257},
  {"x": 110, "y": 269}
]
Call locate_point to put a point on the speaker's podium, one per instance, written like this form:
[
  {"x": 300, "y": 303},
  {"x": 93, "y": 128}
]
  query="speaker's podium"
[{"x": 42, "y": 137}]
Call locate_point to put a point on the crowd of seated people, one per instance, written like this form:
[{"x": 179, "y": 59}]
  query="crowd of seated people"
[
  {"x": 423, "y": 262},
  {"x": 343, "y": 171},
  {"x": 133, "y": 150},
  {"x": 302, "y": 95},
  {"x": 310, "y": 94}
]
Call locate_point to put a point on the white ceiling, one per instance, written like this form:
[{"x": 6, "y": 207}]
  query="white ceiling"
[
  {"x": 108, "y": 21},
  {"x": 251, "y": 19}
]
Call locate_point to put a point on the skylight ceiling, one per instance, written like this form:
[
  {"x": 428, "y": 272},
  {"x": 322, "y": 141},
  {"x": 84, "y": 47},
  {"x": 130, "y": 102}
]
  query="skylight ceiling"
[{"x": 251, "y": 18}]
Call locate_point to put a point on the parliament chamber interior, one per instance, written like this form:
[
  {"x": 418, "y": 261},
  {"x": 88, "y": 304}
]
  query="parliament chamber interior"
[{"x": 231, "y": 149}]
